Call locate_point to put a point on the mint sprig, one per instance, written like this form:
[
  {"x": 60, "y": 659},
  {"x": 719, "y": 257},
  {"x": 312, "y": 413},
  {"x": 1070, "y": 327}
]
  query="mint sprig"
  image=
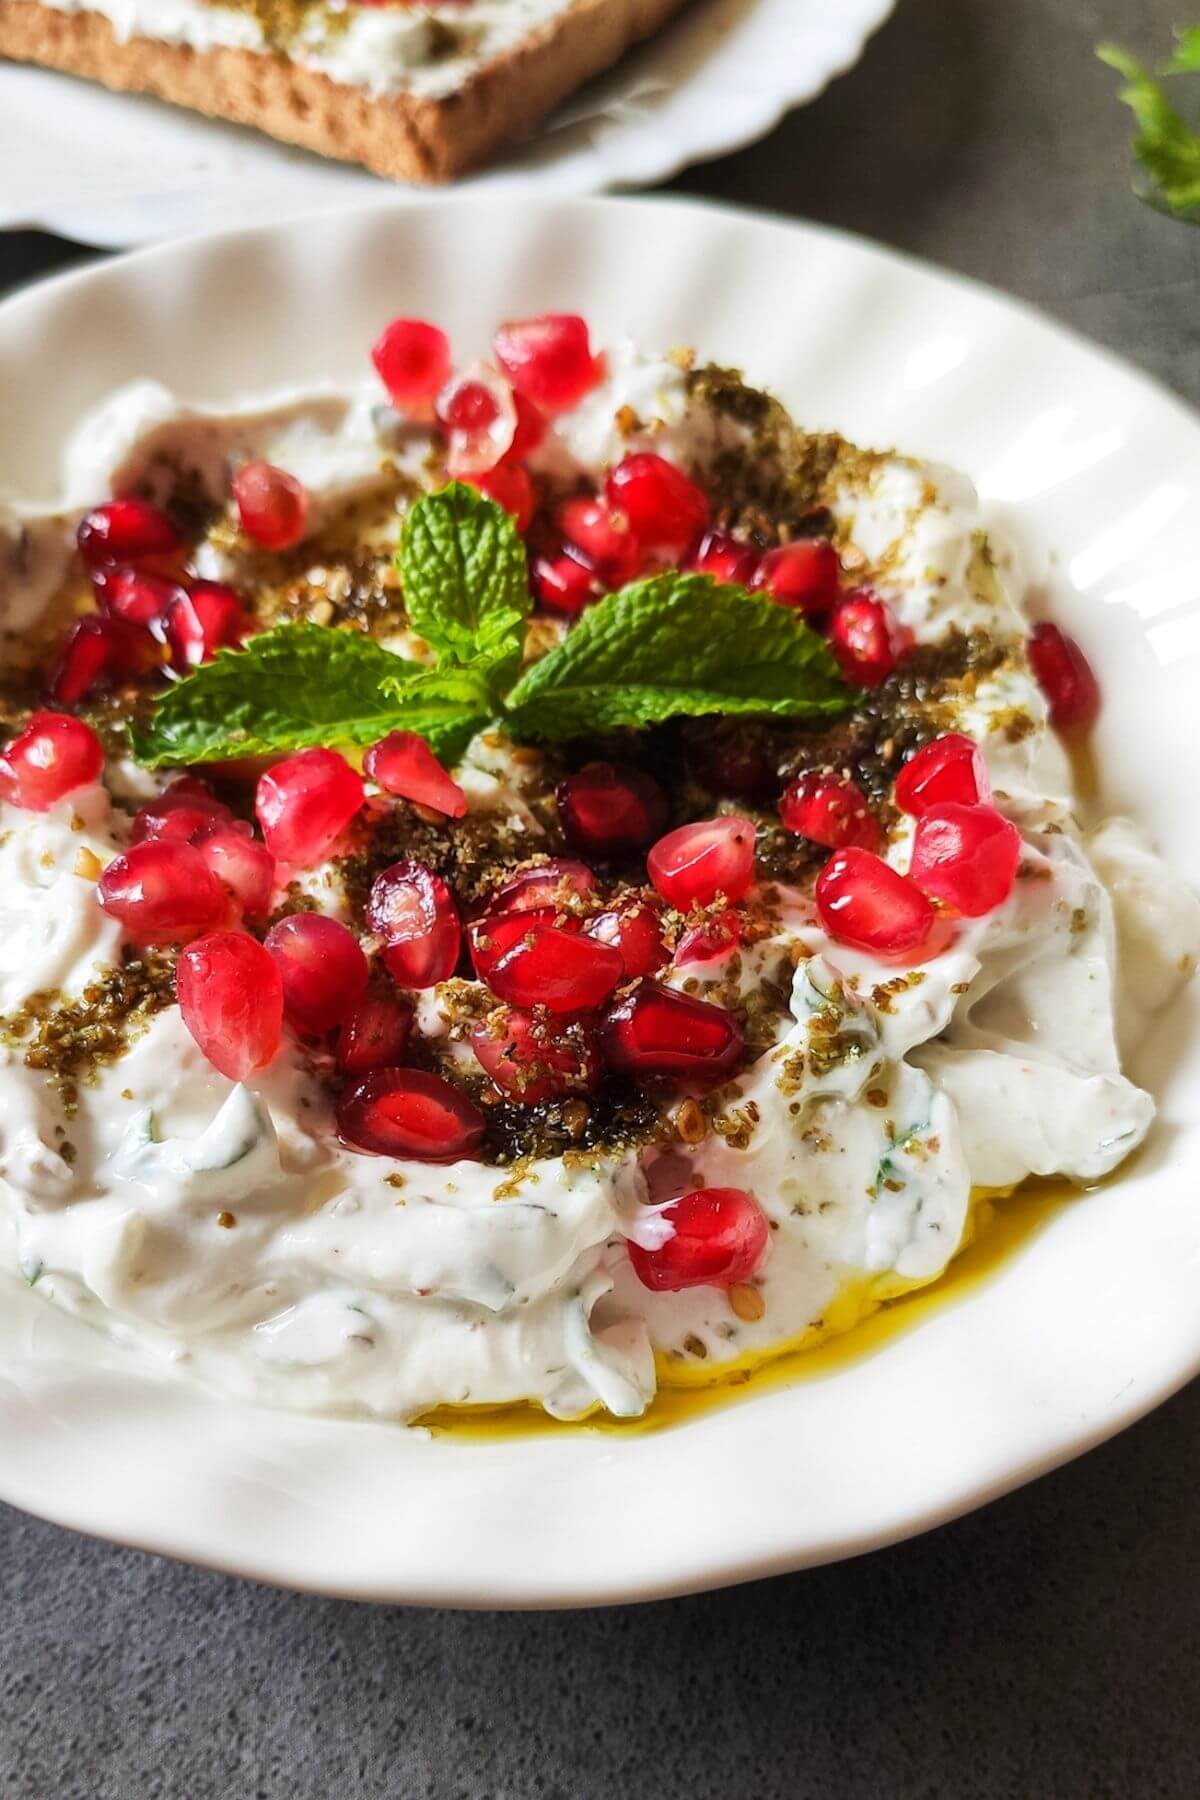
[
  {"x": 1165, "y": 145},
  {"x": 674, "y": 644}
]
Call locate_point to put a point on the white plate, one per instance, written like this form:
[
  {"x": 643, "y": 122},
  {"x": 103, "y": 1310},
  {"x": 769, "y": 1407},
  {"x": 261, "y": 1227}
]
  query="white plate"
[
  {"x": 118, "y": 169},
  {"x": 1096, "y": 1320}
]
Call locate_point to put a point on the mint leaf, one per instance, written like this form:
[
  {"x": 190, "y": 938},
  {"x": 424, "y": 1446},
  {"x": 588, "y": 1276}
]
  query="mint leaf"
[
  {"x": 445, "y": 706},
  {"x": 1165, "y": 145},
  {"x": 294, "y": 686},
  {"x": 466, "y": 579},
  {"x": 677, "y": 644}
]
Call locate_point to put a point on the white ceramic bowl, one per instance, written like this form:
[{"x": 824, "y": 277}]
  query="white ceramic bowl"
[
  {"x": 1095, "y": 1321},
  {"x": 119, "y": 169}
]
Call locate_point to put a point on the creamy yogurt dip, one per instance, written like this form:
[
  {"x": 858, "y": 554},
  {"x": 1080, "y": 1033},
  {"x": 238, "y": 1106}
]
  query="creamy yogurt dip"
[{"x": 223, "y": 1225}]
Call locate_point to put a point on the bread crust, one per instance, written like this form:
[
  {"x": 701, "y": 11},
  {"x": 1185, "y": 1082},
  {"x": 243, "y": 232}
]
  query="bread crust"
[{"x": 404, "y": 137}]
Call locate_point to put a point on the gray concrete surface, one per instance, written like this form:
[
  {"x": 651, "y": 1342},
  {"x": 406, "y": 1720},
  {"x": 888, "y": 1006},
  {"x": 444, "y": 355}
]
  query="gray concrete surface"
[{"x": 1048, "y": 1646}]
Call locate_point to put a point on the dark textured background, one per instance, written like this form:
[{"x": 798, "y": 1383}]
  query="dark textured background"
[{"x": 1049, "y": 1646}]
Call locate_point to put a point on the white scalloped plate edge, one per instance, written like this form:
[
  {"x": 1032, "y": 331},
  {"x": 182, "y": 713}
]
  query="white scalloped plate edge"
[{"x": 1093, "y": 1323}]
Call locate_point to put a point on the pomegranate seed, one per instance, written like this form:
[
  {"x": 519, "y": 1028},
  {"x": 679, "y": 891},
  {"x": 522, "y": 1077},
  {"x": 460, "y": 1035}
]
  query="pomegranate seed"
[
  {"x": 125, "y": 531},
  {"x": 241, "y": 864},
  {"x": 720, "y": 1236},
  {"x": 862, "y": 901},
  {"x": 305, "y": 803},
  {"x": 725, "y": 558},
  {"x": 564, "y": 584},
  {"x": 665, "y": 510},
  {"x": 323, "y": 970},
  {"x": 655, "y": 1031},
  {"x": 530, "y": 431},
  {"x": 601, "y": 539},
  {"x": 231, "y": 998},
  {"x": 715, "y": 937},
  {"x": 734, "y": 761},
  {"x": 1065, "y": 676},
  {"x": 949, "y": 768},
  {"x": 866, "y": 639},
  {"x": 375, "y": 1033},
  {"x": 804, "y": 575},
  {"x": 97, "y": 653},
  {"x": 49, "y": 759},
  {"x": 408, "y": 1113},
  {"x": 412, "y": 358},
  {"x": 608, "y": 810},
  {"x": 493, "y": 936},
  {"x": 132, "y": 594},
  {"x": 163, "y": 892},
  {"x": 557, "y": 882},
  {"x": 413, "y": 911},
  {"x": 555, "y": 966},
  {"x": 272, "y": 506},
  {"x": 510, "y": 487},
  {"x": 477, "y": 412},
  {"x": 830, "y": 810},
  {"x": 181, "y": 811},
  {"x": 636, "y": 931},
  {"x": 692, "y": 866},
  {"x": 530, "y": 1061},
  {"x": 402, "y": 763},
  {"x": 966, "y": 856},
  {"x": 207, "y": 617},
  {"x": 548, "y": 359}
]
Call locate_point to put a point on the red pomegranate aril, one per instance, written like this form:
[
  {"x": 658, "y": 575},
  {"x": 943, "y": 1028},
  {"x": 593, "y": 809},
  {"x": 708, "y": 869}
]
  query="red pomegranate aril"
[
  {"x": 549, "y": 359},
  {"x": 510, "y": 487},
  {"x": 557, "y": 967},
  {"x": 207, "y": 617},
  {"x": 862, "y": 901},
  {"x": 664, "y": 508},
  {"x": 323, "y": 970},
  {"x": 805, "y": 575},
  {"x": 133, "y": 594},
  {"x": 949, "y": 768},
  {"x": 409, "y": 1113},
  {"x": 125, "y": 531},
  {"x": 49, "y": 759},
  {"x": 564, "y": 584},
  {"x": 531, "y": 1061},
  {"x": 966, "y": 857},
  {"x": 402, "y": 763},
  {"x": 241, "y": 864},
  {"x": 694, "y": 865},
  {"x": 412, "y": 358},
  {"x": 720, "y": 1237},
  {"x": 231, "y": 998},
  {"x": 163, "y": 892},
  {"x": 272, "y": 506},
  {"x": 375, "y": 1033},
  {"x": 636, "y": 931},
  {"x": 97, "y": 653},
  {"x": 830, "y": 810},
  {"x": 602, "y": 538},
  {"x": 558, "y": 882},
  {"x": 656, "y": 1031},
  {"x": 609, "y": 810},
  {"x": 477, "y": 413},
  {"x": 717, "y": 936},
  {"x": 866, "y": 639},
  {"x": 490, "y": 938},
  {"x": 725, "y": 558},
  {"x": 413, "y": 911},
  {"x": 531, "y": 428},
  {"x": 305, "y": 803},
  {"x": 182, "y": 811},
  {"x": 1065, "y": 676}
]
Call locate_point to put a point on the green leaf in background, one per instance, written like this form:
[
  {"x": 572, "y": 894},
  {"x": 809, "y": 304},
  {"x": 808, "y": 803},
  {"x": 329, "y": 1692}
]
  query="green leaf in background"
[
  {"x": 466, "y": 579},
  {"x": 1166, "y": 146},
  {"x": 677, "y": 644},
  {"x": 292, "y": 687}
]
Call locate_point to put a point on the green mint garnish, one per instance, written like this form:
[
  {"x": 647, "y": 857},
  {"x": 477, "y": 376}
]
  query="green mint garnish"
[
  {"x": 675, "y": 644},
  {"x": 1166, "y": 146}
]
